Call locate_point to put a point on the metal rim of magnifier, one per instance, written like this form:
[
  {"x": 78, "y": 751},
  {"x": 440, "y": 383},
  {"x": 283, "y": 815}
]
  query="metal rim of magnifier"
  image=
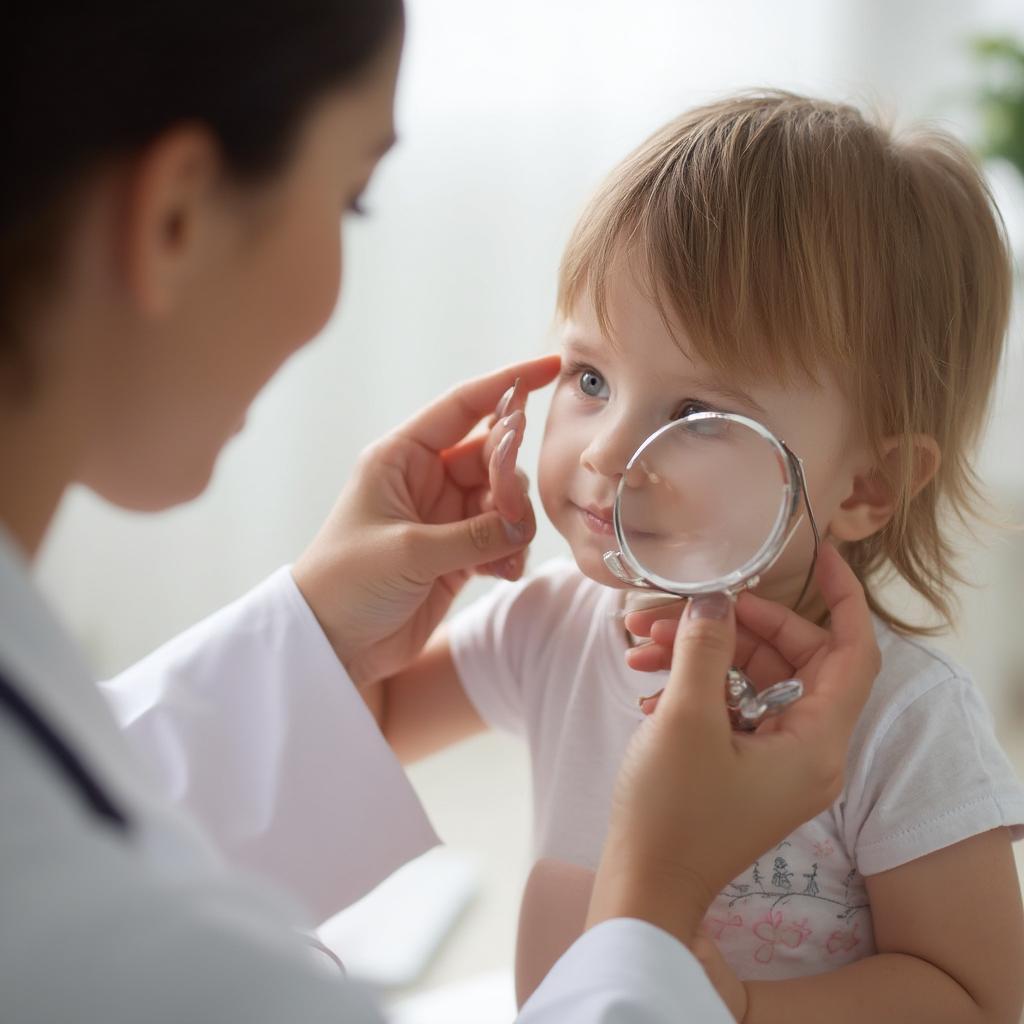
[{"x": 745, "y": 575}]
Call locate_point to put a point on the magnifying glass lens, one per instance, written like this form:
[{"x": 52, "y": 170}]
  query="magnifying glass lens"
[{"x": 703, "y": 501}]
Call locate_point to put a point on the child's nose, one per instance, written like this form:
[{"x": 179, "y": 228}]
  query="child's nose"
[{"x": 610, "y": 449}]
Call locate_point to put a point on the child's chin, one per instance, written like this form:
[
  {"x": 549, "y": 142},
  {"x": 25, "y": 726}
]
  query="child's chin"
[{"x": 591, "y": 564}]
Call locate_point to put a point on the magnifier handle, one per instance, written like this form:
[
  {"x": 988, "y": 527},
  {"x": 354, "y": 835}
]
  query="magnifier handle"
[{"x": 748, "y": 708}]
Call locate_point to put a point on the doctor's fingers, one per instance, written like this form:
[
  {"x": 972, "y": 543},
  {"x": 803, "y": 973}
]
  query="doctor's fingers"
[
  {"x": 767, "y": 626},
  {"x": 854, "y": 646},
  {"x": 639, "y": 623},
  {"x": 446, "y": 422},
  {"x": 484, "y": 500},
  {"x": 693, "y": 698},
  {"x": 509, "y": 487},
  {"x": 838, "y": 679},
  {"x": 470, "y": 543},
  {"x": 848, "y": 641},
  {"x": 468, "y": 463},
  {"x": 771, "y": 640},
  {"x": 777, "y": 626},
  {"x": 485, "y": 462},
  {"x": 761, "y": 662},
  {"x": 837, "y": 682},
  {"x": 510, "y": 568}
]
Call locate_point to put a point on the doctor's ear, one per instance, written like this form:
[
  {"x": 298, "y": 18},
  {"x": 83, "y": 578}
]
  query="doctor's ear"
[
  {"x": 904, "y": 469},
  {"x": 170, "y": 215}
]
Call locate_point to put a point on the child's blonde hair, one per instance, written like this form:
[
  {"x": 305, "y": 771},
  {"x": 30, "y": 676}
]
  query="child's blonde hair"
[{"x": 786, "y": 235}]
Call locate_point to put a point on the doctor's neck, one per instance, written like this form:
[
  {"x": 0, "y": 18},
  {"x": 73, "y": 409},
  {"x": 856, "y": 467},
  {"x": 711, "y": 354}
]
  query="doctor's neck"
[
  {"x": 37, "y": 463},
  {"x": 47, "y": 389}
]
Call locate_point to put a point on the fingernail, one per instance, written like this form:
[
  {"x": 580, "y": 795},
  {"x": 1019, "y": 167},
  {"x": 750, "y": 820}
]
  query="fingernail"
[
  {"x": 505, "y": 448},
  {"x": 506, "y": 399},
  {"x": 507, "y": 569},
  {"x": 648, "y": 704},
  {"x": 709, "y": 606},
  {"x": 515, "y": 533},
  {"x": 502, "y": 406},
  {"x": 513, "y": 421}
]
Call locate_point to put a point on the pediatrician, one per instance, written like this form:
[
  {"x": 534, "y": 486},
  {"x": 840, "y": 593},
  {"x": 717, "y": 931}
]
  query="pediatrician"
[{"x": 169, "y": 211}]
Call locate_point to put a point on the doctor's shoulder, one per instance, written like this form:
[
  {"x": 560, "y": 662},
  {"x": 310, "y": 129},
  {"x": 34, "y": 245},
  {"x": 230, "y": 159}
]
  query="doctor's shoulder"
[{"x": 94, "y": 928}]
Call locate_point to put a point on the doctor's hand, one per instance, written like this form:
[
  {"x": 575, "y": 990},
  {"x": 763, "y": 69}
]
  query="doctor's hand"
[
  {"x": 695, "y": 803},
  {"x": 426, "y": 507}
]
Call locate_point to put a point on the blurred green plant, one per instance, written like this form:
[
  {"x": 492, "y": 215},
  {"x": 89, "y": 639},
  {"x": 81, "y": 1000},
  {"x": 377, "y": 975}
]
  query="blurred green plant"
[{"x": 1002, "y": 97}]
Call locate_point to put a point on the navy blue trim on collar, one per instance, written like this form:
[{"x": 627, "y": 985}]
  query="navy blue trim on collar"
[{"x": 78, "y": 777}]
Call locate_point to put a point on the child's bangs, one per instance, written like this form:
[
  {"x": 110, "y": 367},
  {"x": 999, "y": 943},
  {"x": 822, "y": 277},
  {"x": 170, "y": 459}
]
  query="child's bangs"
[{"x": 725, "y": 226}]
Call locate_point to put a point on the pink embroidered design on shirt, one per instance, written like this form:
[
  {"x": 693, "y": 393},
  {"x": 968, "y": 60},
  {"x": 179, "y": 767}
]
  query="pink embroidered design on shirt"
[
  {"x": 715, "y": 926},
  {"x": 843, "y": 941},
  {"x": 824, "y": 849},
  {"x": 773, "y": 929}
]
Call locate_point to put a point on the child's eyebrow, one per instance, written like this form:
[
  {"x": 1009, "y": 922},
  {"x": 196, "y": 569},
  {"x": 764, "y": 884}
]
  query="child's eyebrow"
[
  {"x": 579, "y": 345},
  {"x": 729, "y": 394}
]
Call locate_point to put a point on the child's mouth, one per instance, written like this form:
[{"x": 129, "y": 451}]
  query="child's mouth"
[{"x": 597, "y": 520}]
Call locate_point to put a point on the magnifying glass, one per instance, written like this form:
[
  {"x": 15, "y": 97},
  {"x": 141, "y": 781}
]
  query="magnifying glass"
[{"x": 706, "y": 505}]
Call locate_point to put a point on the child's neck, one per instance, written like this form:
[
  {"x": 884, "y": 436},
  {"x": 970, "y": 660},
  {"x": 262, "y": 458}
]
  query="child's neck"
[{"x": 790, "y": 594}]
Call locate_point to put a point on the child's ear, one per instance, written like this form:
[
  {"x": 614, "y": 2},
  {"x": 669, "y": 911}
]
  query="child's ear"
[{"x": 872, "y": 502}]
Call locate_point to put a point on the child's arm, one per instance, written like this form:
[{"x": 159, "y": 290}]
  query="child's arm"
[
  {"x": 424, "y": 708},
  {"x": 950, "y": 937}
]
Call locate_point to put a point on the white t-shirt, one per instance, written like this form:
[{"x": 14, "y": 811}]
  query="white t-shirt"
[{"x": 544, "y": 658}]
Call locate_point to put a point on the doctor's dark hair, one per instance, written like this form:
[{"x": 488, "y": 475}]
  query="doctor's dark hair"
[{"x": 84, "y": 83}]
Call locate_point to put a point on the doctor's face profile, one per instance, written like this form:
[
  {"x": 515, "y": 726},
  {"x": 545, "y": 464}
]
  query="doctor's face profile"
[
  {"x": 187, "y": 282},
  {"x": 223, "y": 281},
  {"x": 615, "y": 392}
]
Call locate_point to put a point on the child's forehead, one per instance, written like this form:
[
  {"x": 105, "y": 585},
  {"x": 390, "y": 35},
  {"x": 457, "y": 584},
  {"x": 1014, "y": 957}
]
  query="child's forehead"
[
  {"x": 627, "y": 304},
  {"x": 624, "y": 322},
  {"x": 629, "y": 344},
  {"x": 627, "y": 320}
]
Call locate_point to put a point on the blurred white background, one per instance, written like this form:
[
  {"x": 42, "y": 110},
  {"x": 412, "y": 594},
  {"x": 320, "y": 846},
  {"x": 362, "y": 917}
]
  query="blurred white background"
[{"x": 509, "y": 115}]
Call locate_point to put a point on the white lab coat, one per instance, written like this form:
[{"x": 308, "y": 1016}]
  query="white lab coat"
[{"x": 247, "y": 723}]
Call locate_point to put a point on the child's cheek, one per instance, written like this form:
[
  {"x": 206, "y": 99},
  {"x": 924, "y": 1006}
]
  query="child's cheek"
[{"x": 548, "y": 489}]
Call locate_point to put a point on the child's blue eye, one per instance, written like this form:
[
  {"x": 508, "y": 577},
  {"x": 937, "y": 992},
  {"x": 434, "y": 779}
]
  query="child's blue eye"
[
  {"x": 705, "y": 428},
  {"x": 689, "y": 408},
  {"x": 593, "y": 384}
]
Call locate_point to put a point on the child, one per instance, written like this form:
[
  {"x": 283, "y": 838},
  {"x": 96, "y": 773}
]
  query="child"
[{"x": 785, "y": 259}]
